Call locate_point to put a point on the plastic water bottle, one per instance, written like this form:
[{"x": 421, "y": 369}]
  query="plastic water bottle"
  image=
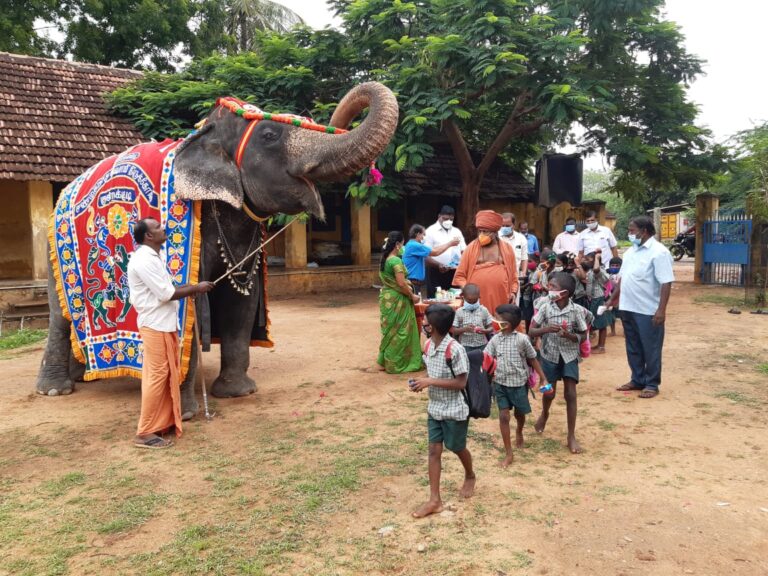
[{"x": 547, "y": 389}]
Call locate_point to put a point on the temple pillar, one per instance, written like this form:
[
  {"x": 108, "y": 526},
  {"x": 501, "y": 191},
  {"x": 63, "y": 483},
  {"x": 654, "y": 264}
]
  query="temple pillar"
[
  {"x": 296, "y": 245},
  {"x": 361, "y": 233}
]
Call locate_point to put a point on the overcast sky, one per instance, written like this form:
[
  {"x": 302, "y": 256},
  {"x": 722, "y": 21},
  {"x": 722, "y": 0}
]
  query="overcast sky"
[{"x": 730, "y": 36}]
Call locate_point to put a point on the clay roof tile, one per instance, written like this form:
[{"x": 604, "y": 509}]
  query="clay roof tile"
[{"x": 54, "y": 123}]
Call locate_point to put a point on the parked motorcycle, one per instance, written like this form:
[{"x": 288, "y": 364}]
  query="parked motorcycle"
[{"x": 684, "y": 244}]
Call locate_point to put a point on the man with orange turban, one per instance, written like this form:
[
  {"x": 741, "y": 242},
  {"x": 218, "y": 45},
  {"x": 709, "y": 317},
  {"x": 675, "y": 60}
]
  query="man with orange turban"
[{"x": 489, "y": 263}]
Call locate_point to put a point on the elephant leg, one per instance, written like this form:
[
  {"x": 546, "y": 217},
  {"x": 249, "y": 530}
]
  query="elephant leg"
[
  {"x": 54, "y": 376},
  {"x": 234, "y": 315},
  {"x": 189, "y": 404}
]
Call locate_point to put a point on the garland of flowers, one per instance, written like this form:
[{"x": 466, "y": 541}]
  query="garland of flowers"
[{"x": 250, "y": 112}]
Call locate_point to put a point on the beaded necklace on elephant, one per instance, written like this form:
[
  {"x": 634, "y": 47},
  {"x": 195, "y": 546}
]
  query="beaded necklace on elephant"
[{"x": 241, "y": 285}]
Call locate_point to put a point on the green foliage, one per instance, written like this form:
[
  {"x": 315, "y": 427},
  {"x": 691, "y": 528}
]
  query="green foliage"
[
  {"x": 128, "y": 33},
  {"x": 21, "y": 338},
  {"x": 600, "y": 186},
  {"x": 153, "y": 34},
  {"x": 18, "y": 33},
  {"x": 519, "y": 74},
  {"x": 496, "y": 77},
  {"x": 743, "y": 185}
]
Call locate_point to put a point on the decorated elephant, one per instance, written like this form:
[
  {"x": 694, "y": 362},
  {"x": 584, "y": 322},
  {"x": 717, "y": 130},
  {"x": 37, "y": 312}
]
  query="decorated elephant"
[{"x": 212, "y": 191}]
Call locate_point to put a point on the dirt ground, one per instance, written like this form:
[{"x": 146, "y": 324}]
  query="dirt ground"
[{"x": 316, "y": 473}]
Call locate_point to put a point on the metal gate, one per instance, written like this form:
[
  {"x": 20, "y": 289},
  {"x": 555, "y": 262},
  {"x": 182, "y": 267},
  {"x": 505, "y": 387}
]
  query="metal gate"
[{"x": 727, "y": 249}]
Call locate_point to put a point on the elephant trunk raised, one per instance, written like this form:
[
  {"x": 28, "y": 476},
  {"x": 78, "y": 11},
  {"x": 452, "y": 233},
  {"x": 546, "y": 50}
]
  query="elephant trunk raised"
[{"x": 331, "y": 157}]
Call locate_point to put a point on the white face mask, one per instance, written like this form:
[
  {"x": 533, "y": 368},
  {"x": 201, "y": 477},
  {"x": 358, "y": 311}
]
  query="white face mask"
[
  {"x": 592, "y": 225},
  {"x": 447, "y": 224}
]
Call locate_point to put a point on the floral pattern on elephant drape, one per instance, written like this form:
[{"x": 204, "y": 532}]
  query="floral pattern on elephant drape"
[{"x": 91, "y": 238}]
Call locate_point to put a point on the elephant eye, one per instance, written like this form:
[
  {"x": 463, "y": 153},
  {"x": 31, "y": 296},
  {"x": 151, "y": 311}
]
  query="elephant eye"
[{"x": 269, "y": 135}]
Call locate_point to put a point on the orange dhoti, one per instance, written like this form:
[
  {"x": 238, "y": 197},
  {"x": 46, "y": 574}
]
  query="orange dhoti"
[{"x": 160, "y": 383}]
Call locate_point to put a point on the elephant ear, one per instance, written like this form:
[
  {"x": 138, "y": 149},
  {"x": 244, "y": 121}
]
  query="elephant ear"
[{"x": 204, "y": 170}]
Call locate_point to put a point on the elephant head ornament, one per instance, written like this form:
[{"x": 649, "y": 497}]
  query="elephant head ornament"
[{"x": 280, "y": 162}]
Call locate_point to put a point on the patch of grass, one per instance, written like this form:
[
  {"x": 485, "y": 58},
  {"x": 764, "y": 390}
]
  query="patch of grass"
[
  {"x": 763, "y": 368},
  {"x": 223, "y": 486},
  {"x": 483, "y": 438},
  {"x": 62, "y": 484},
  {"x": 606, "y": 491},
  {"x": 606, "y": 425},
  {"x": 37, "y": 450},
  {"x": 21, "y": 338},
  {"x": 546, "y": 446},
  {"x": 725, "y": 300},
  {"x": 131, "y": 512},
  {"x": 738, "y": 398}
]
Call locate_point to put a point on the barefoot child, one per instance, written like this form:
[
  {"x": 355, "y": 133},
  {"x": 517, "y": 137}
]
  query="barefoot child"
[
  {"x": 513, "y": 353},
  {"x": 447, "y": 412},
  {"x": 561, "y": 327},
  {"x": 473, "y": 321}
]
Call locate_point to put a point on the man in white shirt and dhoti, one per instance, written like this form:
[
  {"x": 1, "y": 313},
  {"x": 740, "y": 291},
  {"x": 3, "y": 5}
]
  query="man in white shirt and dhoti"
[{"x": 154, "y": 297}]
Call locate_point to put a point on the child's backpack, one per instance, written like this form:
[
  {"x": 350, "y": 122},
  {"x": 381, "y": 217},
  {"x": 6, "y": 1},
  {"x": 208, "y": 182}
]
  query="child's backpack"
[{"x": 478, "y": 391}]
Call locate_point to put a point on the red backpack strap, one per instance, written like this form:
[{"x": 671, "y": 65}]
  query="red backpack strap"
[{"x": 448, "y": 354}]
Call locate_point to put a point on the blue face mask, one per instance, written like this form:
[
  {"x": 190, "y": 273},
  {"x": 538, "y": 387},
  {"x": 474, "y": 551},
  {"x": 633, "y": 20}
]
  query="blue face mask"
[
  {"x": 614, "y": 270},
  {"x": 471, "y": 307},
  {"x": 570, "y": 227},
  {"x": 634, "y": 239},
  {"x": 506, "y": 231}
]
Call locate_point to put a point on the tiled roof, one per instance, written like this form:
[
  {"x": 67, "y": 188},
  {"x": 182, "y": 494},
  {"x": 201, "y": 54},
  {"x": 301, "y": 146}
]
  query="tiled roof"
[
  {"x": 439, "y": 175},
  {"x": 53, "y": 120}
]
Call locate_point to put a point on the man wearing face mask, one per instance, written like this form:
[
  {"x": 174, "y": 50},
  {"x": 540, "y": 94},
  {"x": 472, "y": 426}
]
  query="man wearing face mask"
[
  {"x": 642, "y": 293},
  {"x": 489, "y": 263},
  {"x": 441, "y": 268},
  {"x": 567, "y": 241},
  {"x": 533, "y": 242},
  {"x": 518, "y": 242},
  {"x": 596, "y": 238}
]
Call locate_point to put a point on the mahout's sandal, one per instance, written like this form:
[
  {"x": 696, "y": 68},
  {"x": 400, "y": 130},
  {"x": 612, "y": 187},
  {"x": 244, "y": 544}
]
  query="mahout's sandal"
[{"x": 155, "y": 443}]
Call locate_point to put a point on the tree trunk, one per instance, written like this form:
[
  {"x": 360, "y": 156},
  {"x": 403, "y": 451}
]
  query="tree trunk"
[{"x": 470, "y": 205}]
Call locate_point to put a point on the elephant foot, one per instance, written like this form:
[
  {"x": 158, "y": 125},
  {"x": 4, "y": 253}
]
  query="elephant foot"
[
  {"x": 233, "y": 386},
  {"x": 189, "y": 408},
  {"x": 55, "y": 386}
]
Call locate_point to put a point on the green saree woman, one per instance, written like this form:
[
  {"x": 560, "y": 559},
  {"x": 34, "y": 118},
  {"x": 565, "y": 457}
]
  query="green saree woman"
[{"x": 400, "y": 349}]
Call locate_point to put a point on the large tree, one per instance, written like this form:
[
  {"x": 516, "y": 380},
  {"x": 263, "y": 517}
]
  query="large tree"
[
  {"x": 21, "y": 30},
  {"x": 231, "y": 26},
  {"x": 152, "y": 34},
  {"x": 514, "y": 76},
  {"x": 128, "y": 33}
]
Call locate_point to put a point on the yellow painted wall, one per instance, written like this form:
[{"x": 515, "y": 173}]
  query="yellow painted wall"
[
  {"x": 40, "y": 208},
  {"x": 15, "y": 231}
]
